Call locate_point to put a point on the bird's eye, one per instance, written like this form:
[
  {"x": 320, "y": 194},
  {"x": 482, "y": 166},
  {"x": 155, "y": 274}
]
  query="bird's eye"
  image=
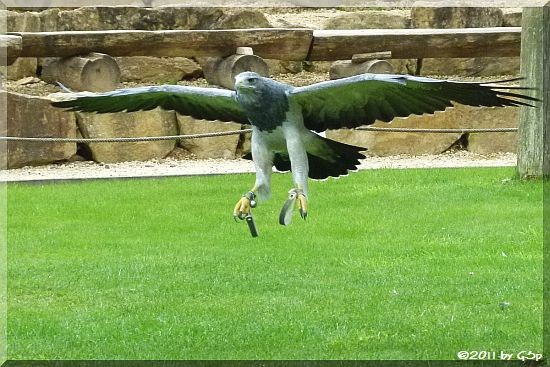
[{"x": 252, "y": 80}]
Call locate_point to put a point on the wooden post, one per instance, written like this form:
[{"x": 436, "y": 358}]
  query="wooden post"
[
  {"x": 534, "y": 124},
  {"x": 3, "y": 197}
]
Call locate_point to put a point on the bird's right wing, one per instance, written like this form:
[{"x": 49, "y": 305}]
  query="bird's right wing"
[{"x": 200, "y": 103}]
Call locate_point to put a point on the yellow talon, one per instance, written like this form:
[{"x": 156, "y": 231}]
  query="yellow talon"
[
  {"x": 302, "y": 204},
  {"x": 244, "y": 205},
  {"x": 294, "y": 195}
]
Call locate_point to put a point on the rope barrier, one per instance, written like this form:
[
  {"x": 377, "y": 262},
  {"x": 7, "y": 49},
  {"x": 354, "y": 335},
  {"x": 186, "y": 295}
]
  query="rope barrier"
[
  {"x": 236, "y": 132},
  {"x": 124, "y": 139},
  {"x": 438, "y": 131}
]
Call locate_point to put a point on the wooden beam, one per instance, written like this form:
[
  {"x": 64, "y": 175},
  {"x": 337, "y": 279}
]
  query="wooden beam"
[
  {"x": 416, "y": 43},
  {"x": 534, "y": 123},
  {"x": 282, "y": 44},
  {"x": 10, "y": 48}
]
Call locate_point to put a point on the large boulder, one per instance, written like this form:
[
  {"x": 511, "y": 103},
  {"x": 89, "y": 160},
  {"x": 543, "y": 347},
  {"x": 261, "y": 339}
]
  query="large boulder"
[
  {"x": 370, "y": 19},
  {"x": 31, "y": 20},
  {"x": 391, "y": 143},
  {"x": 425, "y": 16},
  {"x": 487, "y": 143},
  {"x": 241, "y": 18},
  {"x": 22, "y": 22},
  {"x": 136, "y": 124},
  {"x": 30, "y": 116},
  {"x": 49, "y": 19},
  {"x": 215, "y": 147},
  {"x": 511, "y": 17},
  {"x": 21, "y": 68},
  {"x": 147, "y": 69}
]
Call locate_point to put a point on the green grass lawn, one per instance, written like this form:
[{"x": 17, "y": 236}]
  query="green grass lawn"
[{"x": 390, "y": 264}]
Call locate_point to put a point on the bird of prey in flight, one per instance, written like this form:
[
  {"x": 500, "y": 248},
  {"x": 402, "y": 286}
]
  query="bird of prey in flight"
[{"x": 285, "y": 119}]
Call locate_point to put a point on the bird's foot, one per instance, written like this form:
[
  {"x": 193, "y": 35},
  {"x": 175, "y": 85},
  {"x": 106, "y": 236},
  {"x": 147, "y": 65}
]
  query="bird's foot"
[
  {"x": 244, "y": 206},
  {"x": 294, "y": 195}
]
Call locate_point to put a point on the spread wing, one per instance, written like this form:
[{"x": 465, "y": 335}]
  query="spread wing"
[
  {"x": 200, "y": 103},
  {"x": 362, "y": 99}
]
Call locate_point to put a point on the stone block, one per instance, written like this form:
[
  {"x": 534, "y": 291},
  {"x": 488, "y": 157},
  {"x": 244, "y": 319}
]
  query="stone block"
[
  {"x": 487, "y": 143},
  {"x": 135, "y": 124},
  {"x": 216, "y": 147},
  {"x": 30, "y": 116},
  {"x": 391, "y": 143},
  {"x": 478, "y": 66}
]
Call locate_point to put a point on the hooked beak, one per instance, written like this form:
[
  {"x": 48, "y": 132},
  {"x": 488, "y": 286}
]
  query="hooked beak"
[{"x": 242, "y": 85}]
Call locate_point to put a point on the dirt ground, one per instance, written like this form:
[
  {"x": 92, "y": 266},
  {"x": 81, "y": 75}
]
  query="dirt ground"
[{"x": 184, "y": 166}]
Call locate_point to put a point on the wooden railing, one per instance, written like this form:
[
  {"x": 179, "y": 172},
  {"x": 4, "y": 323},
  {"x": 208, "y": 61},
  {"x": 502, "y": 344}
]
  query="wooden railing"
[{"x": 271, "y": 43}]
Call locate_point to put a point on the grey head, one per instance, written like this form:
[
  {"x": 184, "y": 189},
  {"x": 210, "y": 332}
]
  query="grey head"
[{"x": 264, "y": 100}]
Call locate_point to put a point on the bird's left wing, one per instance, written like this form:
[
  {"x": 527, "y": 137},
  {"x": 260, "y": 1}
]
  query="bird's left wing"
[
  {"x": 362, "y": 99},
  {"x": 200, "y": 103}
]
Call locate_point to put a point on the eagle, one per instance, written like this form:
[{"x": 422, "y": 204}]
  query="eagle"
[{"x": 286, "y": 120}]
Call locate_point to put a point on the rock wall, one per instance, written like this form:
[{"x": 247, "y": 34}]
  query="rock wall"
[{"x": 47, "y": 121}]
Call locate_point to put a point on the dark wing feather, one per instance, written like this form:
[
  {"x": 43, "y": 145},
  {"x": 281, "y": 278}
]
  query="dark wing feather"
[
  {"x": 200, "y": 103},
  {"x": 363, "y": 99}
]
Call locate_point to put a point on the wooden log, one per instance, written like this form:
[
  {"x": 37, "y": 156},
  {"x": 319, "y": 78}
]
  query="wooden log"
[
  {"x": 273, "y": 43},
  {"x": 93, "y": 72},
  {"x": 10, "y": 48},
  {"x": 222, "y": 71},
  {"x": 534, "y": 123},
  {"x": 416, "y": 43},
  {"x": 360, "y": 58},
  {"x": 345, "y": 68}
]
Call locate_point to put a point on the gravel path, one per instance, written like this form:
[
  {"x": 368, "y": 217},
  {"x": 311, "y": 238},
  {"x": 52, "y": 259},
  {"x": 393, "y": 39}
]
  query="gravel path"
[{"x": 186, "y": 167}]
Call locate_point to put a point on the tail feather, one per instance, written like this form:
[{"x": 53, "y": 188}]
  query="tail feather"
[
  {"x": 326, "y": 158},
  {"x": 329, "y": 158}
]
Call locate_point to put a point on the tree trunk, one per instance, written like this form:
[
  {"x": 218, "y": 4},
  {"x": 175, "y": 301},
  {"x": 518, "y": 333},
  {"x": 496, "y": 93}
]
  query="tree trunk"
[{"x": 534, "y": 123}]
